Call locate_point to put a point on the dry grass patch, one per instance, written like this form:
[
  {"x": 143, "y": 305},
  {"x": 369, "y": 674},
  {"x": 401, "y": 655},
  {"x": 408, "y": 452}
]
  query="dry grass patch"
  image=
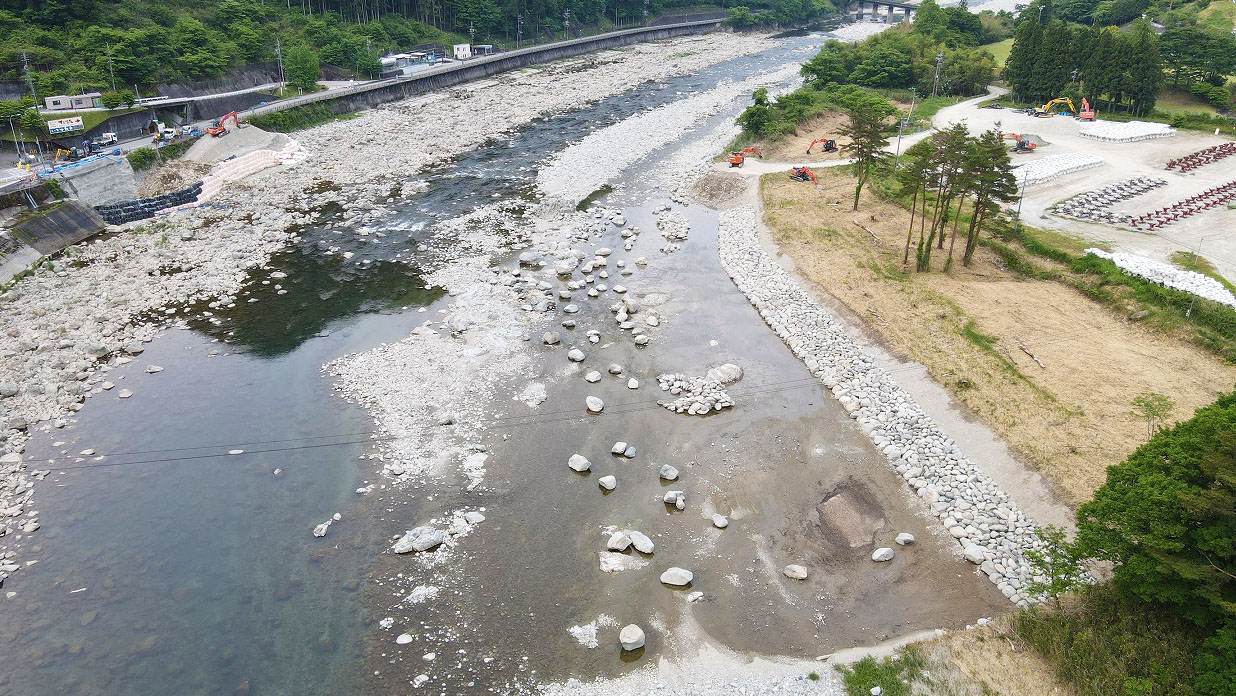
[
  {"x": 793, "y": 148},
  {"x": 976, "y": 328}
]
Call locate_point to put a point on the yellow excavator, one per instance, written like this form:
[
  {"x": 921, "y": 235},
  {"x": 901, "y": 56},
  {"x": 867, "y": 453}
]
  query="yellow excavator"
[{"x": 1046, "y": 111}]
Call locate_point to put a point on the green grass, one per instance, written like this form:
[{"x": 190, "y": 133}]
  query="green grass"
[
  {"x": 926, "y": 109},
  {"x": 1105, "y": 645},
  {"x": 298, "y": 118},
  {"x": 1218, "y": 17},
  {"x": 1192, "y": 262},
  {"x": 1173, "y": 100},
  {"x": 892, "y": 674},
  {"x": 1000, "y": 50},
  {"x": 146, "y": 157}
]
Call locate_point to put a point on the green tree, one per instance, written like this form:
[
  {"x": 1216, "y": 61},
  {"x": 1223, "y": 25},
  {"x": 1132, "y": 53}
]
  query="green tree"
[
  {"x": 993, "y": 183},
  {"x": 32, "y": 122},
  {"x": 1057, "y": 564},
  {"x": 111, "y": 100},
  {"x": 868, "y": 137},
  {"x": 1154, "y": 408},
  {"x": 1166, "y": 517},
  {"x": 301, "y": 68}
]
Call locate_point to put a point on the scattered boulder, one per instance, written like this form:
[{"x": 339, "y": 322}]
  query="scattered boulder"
[
  {"x": 669, "y": 473},
  {"x": 795, "y": 572},
  {"x": 678, "y": 577},
  {"x": 618, "y": 541},
  {"x": 640, "y": 541},
  {"x": 905, "y": 539},
  {"x": 419, "y": 539},
  {"x": 594, "y": 403},
  {"x": 882, "y": 554},
  {"x": 607, "y": 482},
  {"x": 473, "y": 517},
  {"x": 551, "y": 338},
  {"x": 618, "y": 448},
  {"x": 575, "y": 355},
  {"x": 720, "y": 521},
  {"x": 579, "y": 462},
  {"x": 631, "y": 637},
  {"x": 974, "y": 553},
  {"x": 593, "y": 377}
]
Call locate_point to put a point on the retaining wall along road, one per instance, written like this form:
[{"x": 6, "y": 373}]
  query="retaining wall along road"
[{"x": 374, "y": 93}]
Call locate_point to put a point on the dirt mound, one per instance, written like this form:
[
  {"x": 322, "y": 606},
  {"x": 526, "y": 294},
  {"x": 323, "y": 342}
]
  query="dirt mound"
[
  {"x": 793, "y": 148},
  {"x": 717, "y": 189},
  {"x": 172, "y": 176},
  {"x": 238, "y": 141}
]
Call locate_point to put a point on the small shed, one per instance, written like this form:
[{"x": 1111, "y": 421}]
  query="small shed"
[{"x": 463, "y": 51}]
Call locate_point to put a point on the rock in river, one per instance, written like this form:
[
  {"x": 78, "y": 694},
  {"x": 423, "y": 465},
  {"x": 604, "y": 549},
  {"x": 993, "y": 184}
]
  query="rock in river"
[
  {"x": 618, "y": 448},
  {"x": 669, "y": 473},
  {"x": 640, "y": 541},
  {"x": 575, "y": 355},
  {"x": 677, "y": 577},
  {"x": 720, "y": 522},
  {"x": 618, "y": 541},
  {"x": 631, "y": 637},
  {"x": 905, "y": 539},
  {"x": 579, "y": 462},
  {"x": 419, "y": 539},
  {"x": 607, "y": 482},
  {"x": 795, "y": 572},
  {"x": 594, "y": 403},
  {"x": 593, "y": 377},
  {"x": 882, "y": 554}
]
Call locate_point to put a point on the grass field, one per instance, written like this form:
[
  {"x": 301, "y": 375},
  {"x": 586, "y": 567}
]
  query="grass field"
[
  {"x": 1000, "y": 50},
  {"x": 1218, "y": 17},
  {"x": 1178, "y": 101}
]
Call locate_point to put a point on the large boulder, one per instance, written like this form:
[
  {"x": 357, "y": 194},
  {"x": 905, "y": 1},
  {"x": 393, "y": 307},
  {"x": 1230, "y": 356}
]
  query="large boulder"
[
  {"x": 579, "y": 462},
  {"x": 795, "y": 572},
  {"x": 419, "y": 539},
  {"x": 631, "y": 637},
  {"x": 678, "y": 577},
  {"x": 882, "y": 554}
]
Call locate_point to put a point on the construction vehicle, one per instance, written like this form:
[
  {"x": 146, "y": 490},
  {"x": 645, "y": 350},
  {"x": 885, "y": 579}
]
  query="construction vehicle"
[
  {"x": 829, "y": 145},
  {"x": 803, "y": 174},
  {"x": 1020, "y": 145},
  {"x": 737, "y": 157},
  {"x": 1046, "y": 111},
  {"x": 1086, "y": 113},
  {"x": 107, "y": 139},
  {"x": 219, "y": 129}
]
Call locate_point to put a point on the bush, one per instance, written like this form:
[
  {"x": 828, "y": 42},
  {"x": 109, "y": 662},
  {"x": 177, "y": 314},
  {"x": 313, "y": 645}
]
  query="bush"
[
  {"x": 142, "y": 158},
  {"x": 297, "y": 118}
]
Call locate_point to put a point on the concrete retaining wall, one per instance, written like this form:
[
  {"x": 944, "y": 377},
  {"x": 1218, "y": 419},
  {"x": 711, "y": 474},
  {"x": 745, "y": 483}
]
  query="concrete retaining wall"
[
  {"x": 100, "y": 181},
  {"x": 45, "y": 232},
  {"x": 373, "y": 94}
]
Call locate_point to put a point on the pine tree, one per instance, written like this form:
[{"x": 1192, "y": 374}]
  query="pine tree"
[
  {"x": 867, "y": 137},
  {"x": 1019, "y": 67},
  {"x": 994, "y": 184}
]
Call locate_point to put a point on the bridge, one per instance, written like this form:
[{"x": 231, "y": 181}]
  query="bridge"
[{"x": 881, "y": 10}]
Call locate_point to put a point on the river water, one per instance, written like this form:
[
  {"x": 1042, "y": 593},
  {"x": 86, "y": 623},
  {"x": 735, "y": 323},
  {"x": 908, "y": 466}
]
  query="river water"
[{"x": 172, "y": 567}]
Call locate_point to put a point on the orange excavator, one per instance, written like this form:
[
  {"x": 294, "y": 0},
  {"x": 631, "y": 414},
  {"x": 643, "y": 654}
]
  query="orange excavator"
[
  {"x": 219, "y": 129},
  {"x": 829, "y": 145},
  {"x": 1086, "y": 113},
  {"x": 737, "y": 157},
  {"x": 803, "y": 174},
  {"x": 1020, "y": 145}
]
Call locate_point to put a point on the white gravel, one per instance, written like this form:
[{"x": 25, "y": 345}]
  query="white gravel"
[
  {"x": 1046, "y": 168},
  {"x": 1169, "y": 276},
  {"x": 1128, "y": 132}
]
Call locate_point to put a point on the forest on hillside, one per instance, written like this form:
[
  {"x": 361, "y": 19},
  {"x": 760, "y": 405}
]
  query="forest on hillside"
[{"x": 81, "y": 45}]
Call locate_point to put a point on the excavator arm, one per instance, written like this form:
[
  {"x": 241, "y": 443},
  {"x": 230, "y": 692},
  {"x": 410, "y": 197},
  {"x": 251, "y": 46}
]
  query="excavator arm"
[{"x": 829, "y": 145}]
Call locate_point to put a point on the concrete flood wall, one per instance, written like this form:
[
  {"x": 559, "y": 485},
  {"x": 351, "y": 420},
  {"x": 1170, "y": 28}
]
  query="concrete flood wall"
[
  {"x": 43, "y": 232},
  {"x": 373, "y": 94}
]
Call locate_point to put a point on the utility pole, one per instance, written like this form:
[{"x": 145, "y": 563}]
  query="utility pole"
[
  {"x": 519, "y": 29},
  {"x": 279, "y": 56},
  {"x": 1017, "y": 228},
  {"x": 566, "y": 23},
  {"x": 38, "y": 140},
  {"x": 902, "y": 125},
  {"x": 110, "y": 71}
]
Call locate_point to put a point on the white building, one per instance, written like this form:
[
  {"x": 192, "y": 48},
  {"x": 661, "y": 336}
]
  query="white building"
[
  {"x": 463, "y": 51},
  {"x": 61, "y": 102}
]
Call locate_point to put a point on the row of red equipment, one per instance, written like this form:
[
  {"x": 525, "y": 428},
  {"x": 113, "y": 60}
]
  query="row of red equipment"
[
  {"x": 1192, "y": 205},
  {"x": 1202, "y": 157}
]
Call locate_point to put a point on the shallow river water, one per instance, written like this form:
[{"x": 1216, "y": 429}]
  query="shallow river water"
[{"x": 178, "y": 568}]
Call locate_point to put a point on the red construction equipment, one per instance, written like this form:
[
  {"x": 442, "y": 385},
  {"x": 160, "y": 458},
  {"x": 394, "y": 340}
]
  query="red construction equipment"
[
  {"x": 737, "y": 157},
  {"x": 1020, "y": 144},
  {"x": 803, "y": 174},
  {"x": 829, "y": 145},
  {"x": 219, "y": 128},
  {"x": 1086, "y": 113}
]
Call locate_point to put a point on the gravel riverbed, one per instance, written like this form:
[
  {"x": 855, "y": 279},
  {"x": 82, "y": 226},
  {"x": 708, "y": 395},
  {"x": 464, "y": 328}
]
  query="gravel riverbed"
[{"x": 74, "y": 320}]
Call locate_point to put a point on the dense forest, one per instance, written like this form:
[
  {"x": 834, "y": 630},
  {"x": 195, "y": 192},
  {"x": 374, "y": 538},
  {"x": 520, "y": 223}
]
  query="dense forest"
[
  {"x": 80, "y": 45},
  {"x": 1121, "y": 68},
  {"x": 905, "y": 56}
]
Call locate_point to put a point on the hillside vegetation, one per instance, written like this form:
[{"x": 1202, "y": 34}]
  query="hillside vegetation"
[{"x": 78, "y": 46}]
